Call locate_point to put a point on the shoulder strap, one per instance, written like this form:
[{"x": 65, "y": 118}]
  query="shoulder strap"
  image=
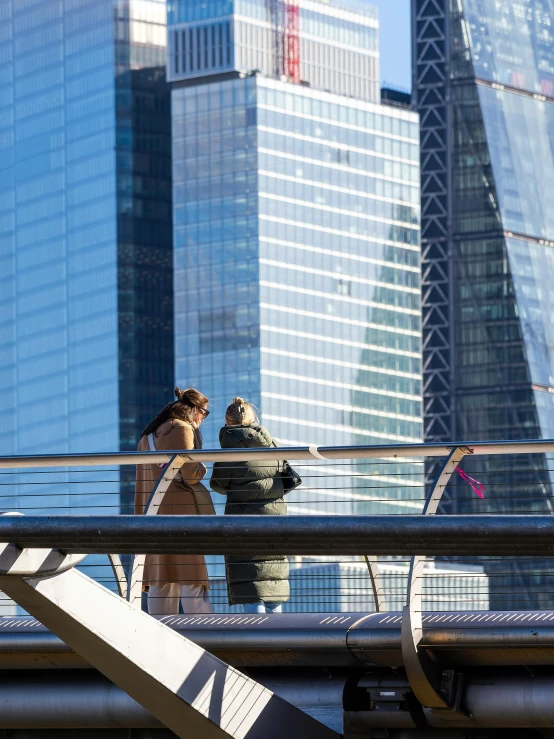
[{"x": 152, "y": 445}]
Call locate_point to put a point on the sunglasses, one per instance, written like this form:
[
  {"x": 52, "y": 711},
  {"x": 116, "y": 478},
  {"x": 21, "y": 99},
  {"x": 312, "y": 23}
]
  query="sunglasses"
[{"x": 204, "y": 411}]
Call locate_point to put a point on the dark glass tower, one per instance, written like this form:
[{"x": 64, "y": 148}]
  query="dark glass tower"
[
  {"x": 145, "y": 249},
  {"x": 484, "y": 88}
]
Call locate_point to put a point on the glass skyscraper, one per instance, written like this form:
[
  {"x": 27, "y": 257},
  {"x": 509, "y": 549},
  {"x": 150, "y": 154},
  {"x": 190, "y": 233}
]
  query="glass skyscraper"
[
  {"x": 86, "y": 288},
  {"x": 296, "y": 233},
  {"x": 484, "y": 88}
]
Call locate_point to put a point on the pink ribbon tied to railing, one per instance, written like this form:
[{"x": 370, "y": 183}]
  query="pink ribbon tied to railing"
[{"x": 477, "y": 487}]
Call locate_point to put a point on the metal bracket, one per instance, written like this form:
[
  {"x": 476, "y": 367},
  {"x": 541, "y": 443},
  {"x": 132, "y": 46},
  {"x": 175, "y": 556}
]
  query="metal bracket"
[
  {"x": 426, "y": 678},
  {"x": 16, "y": 560}
]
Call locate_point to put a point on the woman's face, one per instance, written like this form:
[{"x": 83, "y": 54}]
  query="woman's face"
[{"x": 200, "y": 415}]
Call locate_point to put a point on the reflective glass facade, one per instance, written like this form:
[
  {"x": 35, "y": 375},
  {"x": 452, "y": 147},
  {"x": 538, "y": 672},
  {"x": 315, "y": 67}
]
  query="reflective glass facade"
[
  {"x": 488, "y": 141},
  {"x": 511, "y": 43},
  {"x": 198, "y": 10},
  {"x": 217, "y": 328},
  {"x": 85, "y": 232},
  {"x": 297, "y": 273}
]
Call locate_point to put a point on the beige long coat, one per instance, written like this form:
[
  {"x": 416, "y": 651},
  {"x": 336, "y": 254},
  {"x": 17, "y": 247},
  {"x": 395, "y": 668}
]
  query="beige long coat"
[{"x": 180, "y": 499}]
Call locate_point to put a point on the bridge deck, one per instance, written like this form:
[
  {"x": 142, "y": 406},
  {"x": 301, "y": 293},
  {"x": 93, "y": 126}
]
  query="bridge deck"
[{"x": 333, "y": 640}]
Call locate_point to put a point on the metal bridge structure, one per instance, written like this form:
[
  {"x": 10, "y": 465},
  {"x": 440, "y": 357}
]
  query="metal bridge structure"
[{"x": 86, "y": 658}]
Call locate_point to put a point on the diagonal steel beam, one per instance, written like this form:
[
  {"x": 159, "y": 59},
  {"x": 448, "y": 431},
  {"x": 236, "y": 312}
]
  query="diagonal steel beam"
[{"x": 186, "y": 688}]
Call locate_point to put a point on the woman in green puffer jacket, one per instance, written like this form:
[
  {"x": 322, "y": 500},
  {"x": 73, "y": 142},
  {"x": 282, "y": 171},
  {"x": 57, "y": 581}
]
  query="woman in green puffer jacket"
[{"x": 257, "y": 582}]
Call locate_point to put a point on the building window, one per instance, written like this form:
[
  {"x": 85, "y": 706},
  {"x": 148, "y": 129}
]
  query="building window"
[
  {"x": 220, "y": 28},
  {"x": 228, "y": 39},
  {"x": 344, "y": 287},
  {"x": 343, "y": 156},
  {"x": 198, "y": 48},
  {"x": 176, "y": 51},
  {"x": 213, "y": 46}
]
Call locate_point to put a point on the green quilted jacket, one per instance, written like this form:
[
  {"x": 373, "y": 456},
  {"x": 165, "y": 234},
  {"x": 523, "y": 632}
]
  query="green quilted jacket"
[{"x": 252, "y": 488}]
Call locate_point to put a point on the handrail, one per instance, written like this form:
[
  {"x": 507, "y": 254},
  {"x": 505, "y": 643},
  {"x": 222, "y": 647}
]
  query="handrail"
[
  {"x": 378, "y": 451},
  {"x": 454, "y": 535}
]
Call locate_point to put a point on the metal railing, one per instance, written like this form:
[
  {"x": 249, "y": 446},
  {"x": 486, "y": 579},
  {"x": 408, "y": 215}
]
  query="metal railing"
[
  {"x": 376, "y": 451},
  {"x": 337, "y": 481}
]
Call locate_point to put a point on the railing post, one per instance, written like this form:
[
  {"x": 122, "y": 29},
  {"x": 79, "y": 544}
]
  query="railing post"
[
  {"x": 424, "y": 675},
  {"x": 376, "y": 583},
  {"x": 136, "y": 570},
  {"x": 119, "y": 573}
]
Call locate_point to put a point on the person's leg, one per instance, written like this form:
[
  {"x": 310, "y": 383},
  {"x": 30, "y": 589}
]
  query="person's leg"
[
  {"x": 273, "y": 607},
  {"x": 254, "y": 607},
  {"x": 163, "y": 600},
  {"x": 195, "y": 599}
]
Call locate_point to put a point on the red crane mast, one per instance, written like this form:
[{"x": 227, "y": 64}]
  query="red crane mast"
[{"x": 291, "y": 41}]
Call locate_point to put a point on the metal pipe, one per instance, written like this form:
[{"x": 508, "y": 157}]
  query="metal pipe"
[
  {"x": 88, "y": 700},
  {"x": 503, "y": 535},
  {"x": 539, "y": 446},
  {"x": 308, "y": 640},
  {"x": 56, "y": 701},
  {"x": 520, "y": 702}
]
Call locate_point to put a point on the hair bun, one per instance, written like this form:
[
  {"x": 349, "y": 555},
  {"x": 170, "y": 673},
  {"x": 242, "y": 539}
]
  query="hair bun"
[
  {"x": 240, "y": 412},
  {"x": 188, "y": 396}
]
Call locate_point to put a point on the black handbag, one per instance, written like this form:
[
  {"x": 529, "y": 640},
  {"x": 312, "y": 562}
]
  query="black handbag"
[{"x": 291, "y": 478}]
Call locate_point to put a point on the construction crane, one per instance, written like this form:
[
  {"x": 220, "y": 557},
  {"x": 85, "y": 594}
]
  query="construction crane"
[
  {"x": 285, "y": 30},
  {"x": 291, "y": 42}
]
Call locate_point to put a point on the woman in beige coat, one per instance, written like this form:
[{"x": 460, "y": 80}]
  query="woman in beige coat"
[{"x": 170, "y": 577}]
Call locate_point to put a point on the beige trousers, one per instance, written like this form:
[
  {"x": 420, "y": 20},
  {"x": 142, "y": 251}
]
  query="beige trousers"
[{"x": 163, "y": 600}]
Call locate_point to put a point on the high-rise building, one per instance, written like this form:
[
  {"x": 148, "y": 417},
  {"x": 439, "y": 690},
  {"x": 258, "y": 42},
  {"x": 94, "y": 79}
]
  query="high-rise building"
[
  {"x": 86, "y": 288},
  {"x": 484, "y": 88},
  {"x": 296, "y": 232},
  {"x": 86, "y": 284}
]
